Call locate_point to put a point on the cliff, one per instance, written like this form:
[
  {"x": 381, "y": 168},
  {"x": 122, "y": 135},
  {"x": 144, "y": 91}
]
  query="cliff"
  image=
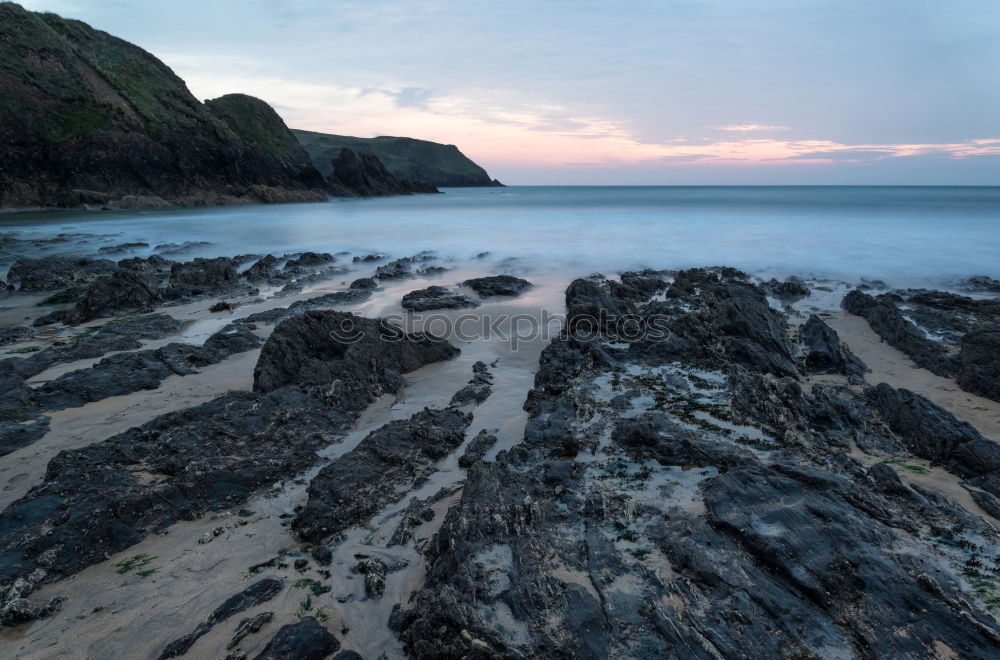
[
  {"x": 405, "y": 158},
  {"x": 87, "y": 118}
]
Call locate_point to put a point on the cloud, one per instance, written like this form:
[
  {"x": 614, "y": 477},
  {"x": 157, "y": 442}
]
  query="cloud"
[{"x": 748, "y": 128}]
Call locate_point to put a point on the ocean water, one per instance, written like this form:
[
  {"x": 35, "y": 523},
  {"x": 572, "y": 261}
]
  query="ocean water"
[{"x": 904, "y": 235}]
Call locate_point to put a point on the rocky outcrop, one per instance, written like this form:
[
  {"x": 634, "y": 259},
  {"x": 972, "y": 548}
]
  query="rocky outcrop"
[
  {"x": 384, "y": 465},
  {"x": 497, "y": 285},
  {"x": 336, "y": 348},
  {"x": 256, "y": 594},
  {"x": 52, "y": 273},
  {"x": 887, "y": 321},
  {"x": 979, "y": 367},
  {"x": 407, "y": 159},
  {"x": 664, "y": 491},
  {"x": 824, "y": 352},
  {"x": 305, "y": 640},
  {"x": 364, "y": 175},
  {"x": 107, "y": 496},
  {"x": 436, "y": 297}
]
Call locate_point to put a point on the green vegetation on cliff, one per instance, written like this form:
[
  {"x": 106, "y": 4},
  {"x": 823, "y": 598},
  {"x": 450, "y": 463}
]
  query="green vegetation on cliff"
[
  {"x": 406, "y": 158},
  {"x": 86, "y": 117}
]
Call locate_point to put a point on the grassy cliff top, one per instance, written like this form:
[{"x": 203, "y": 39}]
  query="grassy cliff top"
[{"x": 406, "y": 158}]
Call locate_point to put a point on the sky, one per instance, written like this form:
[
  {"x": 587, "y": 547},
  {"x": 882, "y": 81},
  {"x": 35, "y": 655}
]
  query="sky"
[{"x": 619, "y": 92}]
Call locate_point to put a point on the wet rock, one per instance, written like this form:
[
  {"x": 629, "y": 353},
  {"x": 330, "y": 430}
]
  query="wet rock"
[
  {"x": 309, "y": 259},
  {"x": 256, "y": 594},
  {"x": 983, "y": 283},
  {"x": 791, "y": 289},
  {"x": 384, "y": 465},
  {"x": 328, "y": 347},
  {"x": 180, "y": 248},
  {"x": 374, "y": 570},
  {"x": 928, "y": 430},
  {"x": 364, "y": 283},
  {"x": 99, "y": 499},
  {"x": 476, "y": 449},
  {"x": 887, "y": 321},
  {"x": 394, "y": 270},
  {"x": 123, "y": 290},
  {"x": 263, "y": 269},
  {"x": 369, "y": 258},
  {"x": 478, "y": 389},
  {"x": 124, "y": 373},
  {"x": 824, "y": 352},
  {"x": 248, "y": 626},
  {"x": 200, "y": 277},
  {"x": 305, "y": 640},
  {"x": 436, "y": 297},
  {"x": 51, "y": 273},
  {"x": 979, "y": 368},
  {"x": 497, "y": 285},
  {"x": 322, "y": 554},
  {"x": 11, "y": 334},
  {"x": 123, "y": 247}
]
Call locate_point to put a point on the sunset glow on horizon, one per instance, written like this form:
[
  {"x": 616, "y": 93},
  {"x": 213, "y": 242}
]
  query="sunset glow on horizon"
[{"x": 631, "y": 93}]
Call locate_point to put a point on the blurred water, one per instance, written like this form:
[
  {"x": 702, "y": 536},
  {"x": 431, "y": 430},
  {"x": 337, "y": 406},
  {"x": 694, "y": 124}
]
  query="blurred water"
[{"x": 907, "y": 235}]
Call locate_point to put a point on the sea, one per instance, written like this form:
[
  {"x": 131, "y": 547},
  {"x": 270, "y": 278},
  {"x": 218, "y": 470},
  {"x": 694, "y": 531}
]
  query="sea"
[{"x": 905, "y": 236}]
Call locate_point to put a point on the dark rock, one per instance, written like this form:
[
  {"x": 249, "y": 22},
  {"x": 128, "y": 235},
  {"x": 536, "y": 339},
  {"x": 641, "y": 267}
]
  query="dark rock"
[
  {"x": 123, "y": 247},
  {"x": 255, "y": 594},
  {"x": 386, "y": 463},
  {"x": 331, "y": 348},
  {"x": 436, "y": 297},
  {"x": 204, "y": 273},
  {"x": 791, "y": 289},
  {"x": 51, "y": 273},
  {"x": 887, "y": 321},
  {"x": 322, "y": 554},
  {"x": 249, "y": 626},
  {"x": 11, "y": 334},
  {"x": 364, "y": 175},
  {"x": 497, "y": 285},
  {"x": 395, "y": 270},
  {"x": 309, "y": 260},
  {"x": 374, "y": 570},
  {"x": 476, "y": 449},
  {"x": 305, "y": 640},
  {"x": 123, "y": 290},
  {"x": 263, "y": 269},
  {"x": 364, "y": 283},
  {"x": 478, "y": 389},
  {"x": 928, "y": 430},
  {"x": 979, "y": 369},
  {"x": 824, "y": 352}
]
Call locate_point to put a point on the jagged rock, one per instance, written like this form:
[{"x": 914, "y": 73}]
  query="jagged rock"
[
  {"x": 249, "y": 626},
  {"x": 436, "y": 297},
  {"x": 123, "y": 290},
  {"x": 929, "y": 431},
  {"x": 979, "y": 369},
  {"x": 305, "y": 640},
  {"x": 378, "y": 471},
  {"x": 887, "y": 321},
  {"x": 497, "y": 285},
  {"x": 309, "y": 259},
  {"x": 364, "y": 283},
  {"x": 11, "y": 334},
  {"x": 374, "y": 570},
  {"x": 203, "y": 274},
  {"x": 824, "y": 352},
  {"x": 255, "y": 594},
  {"x": 328, "y": 347},
  {"x": 51, "y": 273},
  {"x": 395, "y": 270},
  {"x": 476, "y": 449},
  {"x": 791, "y": 289},
  {"x": 478, "y": 389},
  {"x": 263, "y": 269}
]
